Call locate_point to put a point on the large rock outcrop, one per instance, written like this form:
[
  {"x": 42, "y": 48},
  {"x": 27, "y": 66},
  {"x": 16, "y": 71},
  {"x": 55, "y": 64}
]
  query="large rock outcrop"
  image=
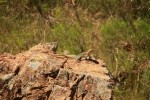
[{"x": 41, "y": 74}]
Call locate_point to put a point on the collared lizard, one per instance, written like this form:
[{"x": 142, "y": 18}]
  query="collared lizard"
[
  {"x": 82, "y": 56},
  {"x": 85, "y": 55}
]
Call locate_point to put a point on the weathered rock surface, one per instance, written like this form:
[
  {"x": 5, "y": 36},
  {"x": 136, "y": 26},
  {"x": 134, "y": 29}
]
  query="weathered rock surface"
[{"x": 40, "y": 74}]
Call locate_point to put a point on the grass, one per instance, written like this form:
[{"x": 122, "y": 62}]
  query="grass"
[
  {"x": 128, "y": 53},
  {"x": 119, "y": 34}
]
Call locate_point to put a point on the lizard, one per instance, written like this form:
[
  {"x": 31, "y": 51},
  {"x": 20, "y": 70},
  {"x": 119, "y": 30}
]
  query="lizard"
[{"x": 83, "y": 56}]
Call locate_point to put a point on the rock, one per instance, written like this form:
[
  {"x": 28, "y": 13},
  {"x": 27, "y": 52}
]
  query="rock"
[{"x": 40, "y": 74}]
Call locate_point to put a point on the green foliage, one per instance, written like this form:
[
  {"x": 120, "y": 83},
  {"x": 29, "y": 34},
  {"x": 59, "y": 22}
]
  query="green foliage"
[
  {"x": 146, "y": 76},
  {"x": 145, "y": 82},
  {"x": 68, "y": 35},
  {"x": 126, "y": 9},
  {"x": 2, "y": 1},
  {"x": 128, "y": 52},
  {"x": 142, "y": 35}
]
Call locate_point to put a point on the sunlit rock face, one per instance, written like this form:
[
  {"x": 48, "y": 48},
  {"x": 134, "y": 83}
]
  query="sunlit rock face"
[{"x": 40, "y": 74}]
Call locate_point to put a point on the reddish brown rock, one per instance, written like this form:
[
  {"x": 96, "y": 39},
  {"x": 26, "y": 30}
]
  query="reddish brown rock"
[{"x": 40, "y": 74}]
